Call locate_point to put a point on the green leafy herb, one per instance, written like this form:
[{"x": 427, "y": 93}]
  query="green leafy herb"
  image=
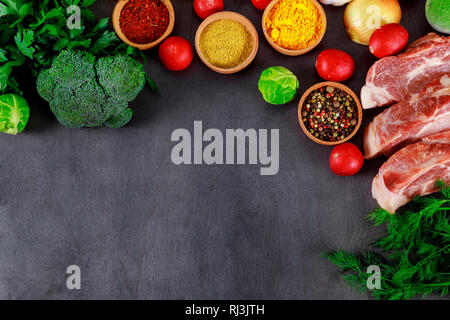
[
  {"x": 33, "y": 33},
  {"x": 5, "y": 71},
  {"x": 418, "y": 240},
  {"x": 24, "y": 40}
]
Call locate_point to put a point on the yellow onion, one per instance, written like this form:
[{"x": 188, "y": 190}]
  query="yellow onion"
[{"x": 362, "y": 17}]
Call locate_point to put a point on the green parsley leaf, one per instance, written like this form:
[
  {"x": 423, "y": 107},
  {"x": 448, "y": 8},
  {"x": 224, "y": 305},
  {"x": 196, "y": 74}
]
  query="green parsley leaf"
[
  {"x": 107, "y": 38},
  {"x": 12, "y": 5},
  {"x": 88, "y": 3},
  {"x": 52, "y": 29},
  {"x": 25, "y": 10},
  {"x": 6, "y": 10},
  {"x": 24, "y": 40},
  {"x": 5, "y": 71},
  {"x": 3, "y": 57}
]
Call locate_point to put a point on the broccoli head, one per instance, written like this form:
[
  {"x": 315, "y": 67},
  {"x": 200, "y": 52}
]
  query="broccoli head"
[
  {"x": 116, "y": 79},
  {"x": 84, "y": 91}
]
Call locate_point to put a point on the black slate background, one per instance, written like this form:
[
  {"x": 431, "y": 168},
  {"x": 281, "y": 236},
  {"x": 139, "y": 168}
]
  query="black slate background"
[{"x": 112, "y": 202}]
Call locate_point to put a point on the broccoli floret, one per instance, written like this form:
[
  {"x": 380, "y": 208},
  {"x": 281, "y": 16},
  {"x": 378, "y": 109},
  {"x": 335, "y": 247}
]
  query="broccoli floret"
[
  {"x": 45, "y": 85},
  {"x": 119, "y": 120},
  {"x": 85, "y": 92},
  {"x": 89, "y": 94},
  {"x": 113, "y": 106},
  {"x": 73, "y": 68},
  {"x": 68, "y": 116},
  {"x": 121, "y": 77}
]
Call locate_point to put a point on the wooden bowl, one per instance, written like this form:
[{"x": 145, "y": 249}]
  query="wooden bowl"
[
  {"x": 290, "y": 52},
  {"x": 343, "y": 88},
  {"x": 116, "y": 23},
  {"x": 231, "y": 16}
]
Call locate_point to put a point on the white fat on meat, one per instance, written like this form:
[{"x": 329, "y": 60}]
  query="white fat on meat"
[
  {"x": 422, "y": 114},
  {"x": 413, "y": 171},
  {"x": 392, "y": 79}
]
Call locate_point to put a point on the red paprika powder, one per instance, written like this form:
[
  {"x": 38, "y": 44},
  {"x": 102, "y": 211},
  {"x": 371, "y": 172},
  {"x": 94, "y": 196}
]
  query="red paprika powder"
[{"x": 144, "y": 21}]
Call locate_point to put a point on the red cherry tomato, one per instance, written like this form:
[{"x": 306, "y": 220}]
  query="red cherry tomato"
[
  {"x": 346, "y": 159},
  {"x": 261, "y": 4},
  {"x": 388, "y": 40},
  {"x": 335, "y": 65},
  {"x": 175, "y": 53},
  {"x": 205, "y": 8}
]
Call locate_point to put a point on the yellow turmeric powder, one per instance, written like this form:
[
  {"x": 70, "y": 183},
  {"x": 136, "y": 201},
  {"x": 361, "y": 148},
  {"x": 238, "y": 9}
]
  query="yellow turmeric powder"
[{"x": 294, "y": 24}]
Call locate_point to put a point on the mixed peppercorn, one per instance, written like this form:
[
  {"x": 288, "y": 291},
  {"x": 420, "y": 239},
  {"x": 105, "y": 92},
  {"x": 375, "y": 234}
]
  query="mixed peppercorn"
[{"x": 330, "y": 114}]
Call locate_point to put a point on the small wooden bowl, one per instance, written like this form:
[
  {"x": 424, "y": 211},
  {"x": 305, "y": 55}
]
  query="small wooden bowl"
[
  {"x": 231, "y": 16},
  {"x": 290, "y": 52},
  {"x": 338, "y": 86},
  {"x": 116, "y": 23}
]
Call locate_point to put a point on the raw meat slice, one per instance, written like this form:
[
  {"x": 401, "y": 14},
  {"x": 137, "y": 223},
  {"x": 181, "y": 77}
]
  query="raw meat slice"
[
  {"x": 413, "y": 171},
  {"x": 392, "y": 79},
  {"x": 430, "y": 37},
  {"x": 423, "y": 114}
]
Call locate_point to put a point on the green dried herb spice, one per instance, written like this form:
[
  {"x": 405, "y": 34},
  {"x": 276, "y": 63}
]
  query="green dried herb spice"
[
  {"x": 418, "y": 240},
  {"x": 226, "y": 43}
]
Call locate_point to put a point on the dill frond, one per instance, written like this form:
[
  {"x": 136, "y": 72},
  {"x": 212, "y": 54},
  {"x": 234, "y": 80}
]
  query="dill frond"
[{"x": 418, "y": 245}]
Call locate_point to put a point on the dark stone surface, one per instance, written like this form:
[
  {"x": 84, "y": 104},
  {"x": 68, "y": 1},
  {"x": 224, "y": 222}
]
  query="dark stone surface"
[{"x": 112, "y": 202}]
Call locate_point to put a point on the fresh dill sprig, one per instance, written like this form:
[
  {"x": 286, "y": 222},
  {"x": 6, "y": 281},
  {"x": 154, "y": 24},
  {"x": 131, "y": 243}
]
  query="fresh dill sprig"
[{"x": 418, "y": 248}]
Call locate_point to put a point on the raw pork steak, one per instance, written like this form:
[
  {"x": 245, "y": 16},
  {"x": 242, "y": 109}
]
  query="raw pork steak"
[
  {"x": 392, "y": 79},
  {"x": 413, "y": 171},
  {"x": 423, "y": 114}
]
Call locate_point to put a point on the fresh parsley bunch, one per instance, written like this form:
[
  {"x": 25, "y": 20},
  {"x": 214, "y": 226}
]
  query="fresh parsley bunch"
[
  {"x": 33, "y": 33},
  {"x": 418, "y": 239}
]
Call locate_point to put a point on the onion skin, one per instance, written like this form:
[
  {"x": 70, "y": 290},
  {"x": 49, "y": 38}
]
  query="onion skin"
[
  {"x": 361, "y": 17},
  {"x": 335, "y": 3}
]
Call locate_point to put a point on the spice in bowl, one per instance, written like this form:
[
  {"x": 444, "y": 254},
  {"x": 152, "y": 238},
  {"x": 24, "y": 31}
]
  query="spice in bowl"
[
  {"x": 330, "y": 114},
  {"x": 294, "y": 24},
  {"x": 226, "y": 43},
  {"x": 144, "y": 21}
]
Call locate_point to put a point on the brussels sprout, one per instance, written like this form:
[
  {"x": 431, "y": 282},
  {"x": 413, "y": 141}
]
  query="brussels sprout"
[
  {"x": 278, "y": 85},
  {"x": 14, "y": 113}
]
